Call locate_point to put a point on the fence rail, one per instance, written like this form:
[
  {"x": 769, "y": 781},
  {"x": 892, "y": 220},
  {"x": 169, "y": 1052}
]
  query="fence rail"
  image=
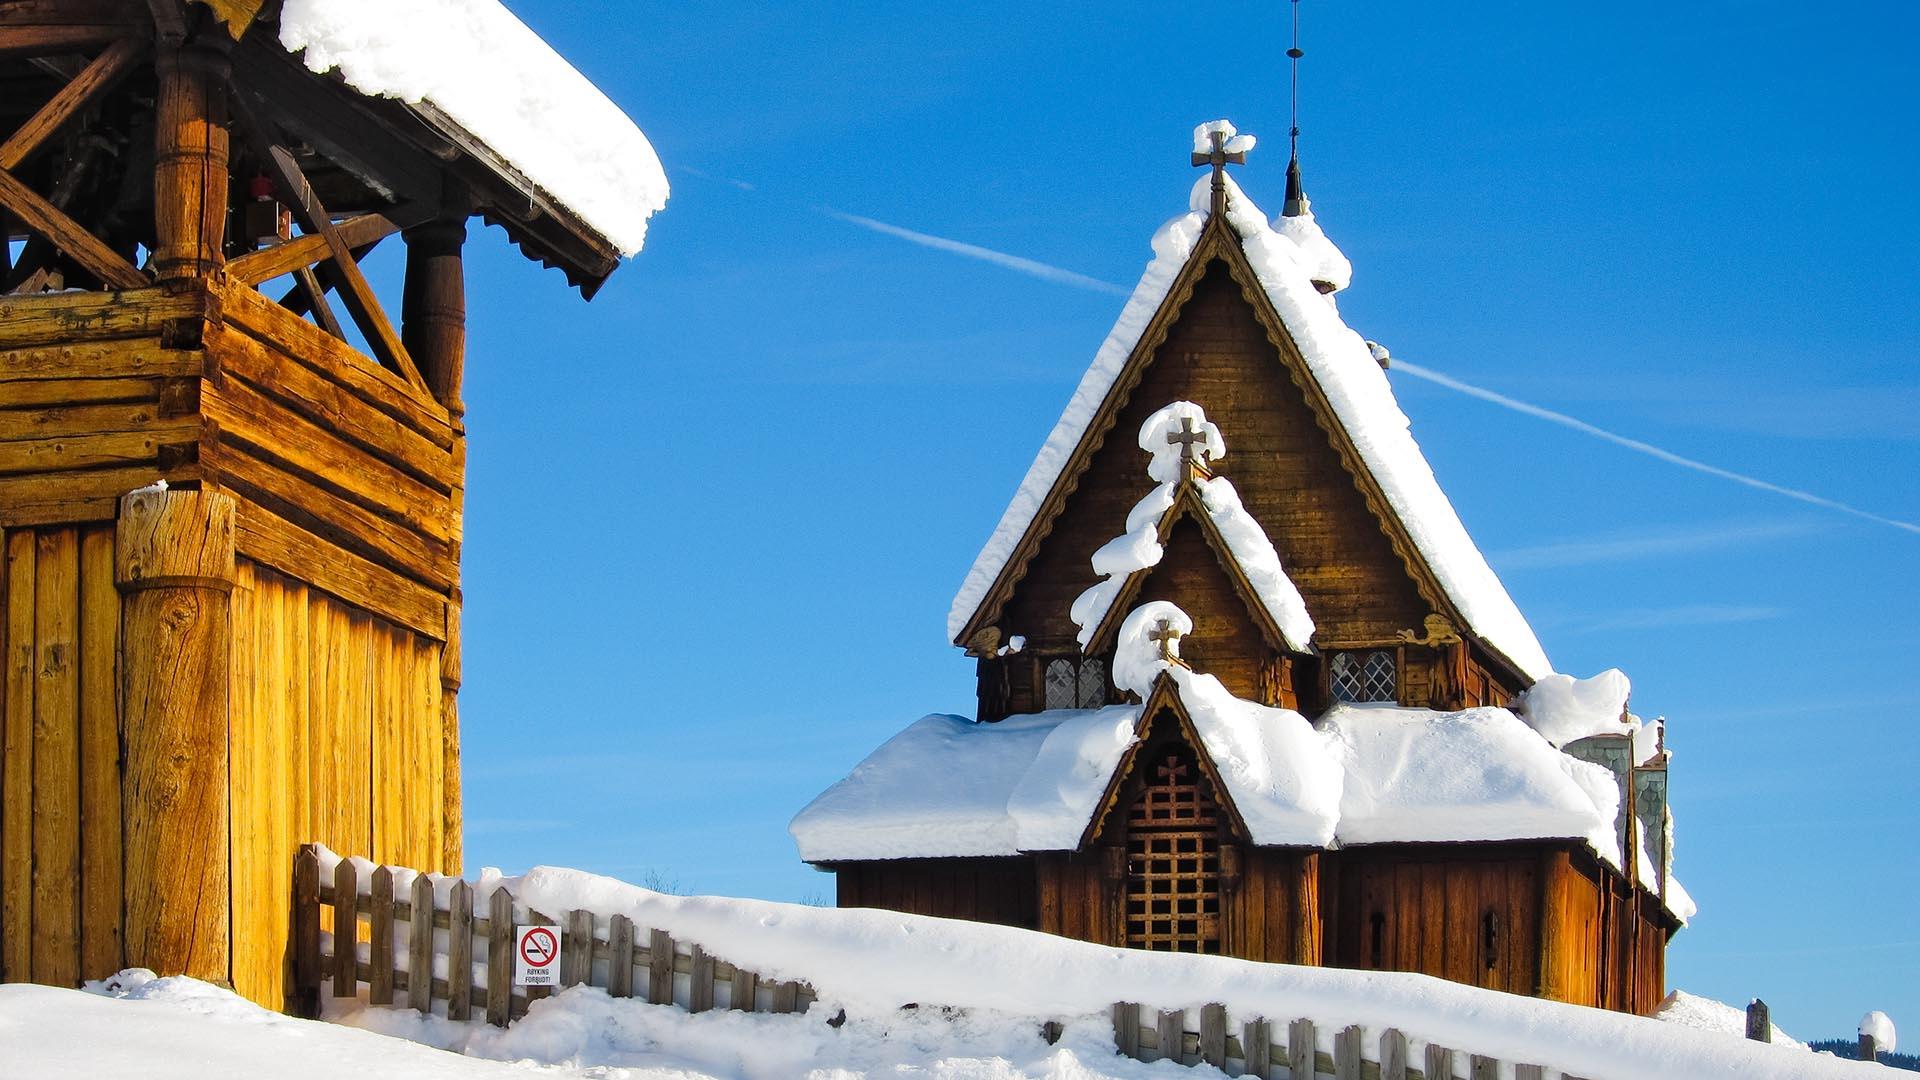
[{"x": 380, "y": 940}]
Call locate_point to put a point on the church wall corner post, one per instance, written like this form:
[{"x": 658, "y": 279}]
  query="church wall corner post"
[
  {"x": 433, "y": 313},
  {"x": 174, "y": 566}
]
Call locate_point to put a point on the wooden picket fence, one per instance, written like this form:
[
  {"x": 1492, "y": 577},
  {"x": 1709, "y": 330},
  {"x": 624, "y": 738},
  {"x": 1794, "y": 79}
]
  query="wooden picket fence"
[
  {"x": 1258, "y": 1048},
  {"x": 468, "y": 957}
]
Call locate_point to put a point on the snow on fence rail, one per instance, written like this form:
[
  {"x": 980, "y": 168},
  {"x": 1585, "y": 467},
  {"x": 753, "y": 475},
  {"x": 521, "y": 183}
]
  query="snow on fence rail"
[
  {"x": 470, "y": 955},
  {"x": 438, "y": 928}
]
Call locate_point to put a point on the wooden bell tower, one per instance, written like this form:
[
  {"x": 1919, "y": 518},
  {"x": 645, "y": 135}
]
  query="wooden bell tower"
[{"x": 264, "y": 650}]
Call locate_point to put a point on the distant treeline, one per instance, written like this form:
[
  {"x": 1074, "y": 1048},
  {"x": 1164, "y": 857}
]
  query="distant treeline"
[{"x": 1850, "y": 1049}]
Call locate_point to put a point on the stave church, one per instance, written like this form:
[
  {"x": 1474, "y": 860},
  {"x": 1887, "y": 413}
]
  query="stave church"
[{"x": 1247, "y": 686}]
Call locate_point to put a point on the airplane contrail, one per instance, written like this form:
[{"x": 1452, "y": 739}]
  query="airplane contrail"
[
  {"x": 1030, "y": 267},
  {"x": 1646, "y": 448}
]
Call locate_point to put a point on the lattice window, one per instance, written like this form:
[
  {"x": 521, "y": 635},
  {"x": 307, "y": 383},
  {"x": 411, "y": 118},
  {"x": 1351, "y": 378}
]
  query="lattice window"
[
  {"x": 1076, "y": 686},
  {"x": 1062, "y": 684},
  {"x": 1093, "y": 684},
  {"x": 1363, "y": 676},
  {"x": 1173, "y": 861}
]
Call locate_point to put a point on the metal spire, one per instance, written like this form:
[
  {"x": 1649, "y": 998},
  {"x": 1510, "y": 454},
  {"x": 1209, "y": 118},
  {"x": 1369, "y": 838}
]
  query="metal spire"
[{"x": 1296, "y": 204}]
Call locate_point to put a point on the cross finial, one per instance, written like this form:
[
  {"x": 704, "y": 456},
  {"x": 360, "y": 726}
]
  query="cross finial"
[
  {"x": 1219, "y": 157},
  {"x": 1167, "y": 636},
  {"x": 1192, "y": 443}
]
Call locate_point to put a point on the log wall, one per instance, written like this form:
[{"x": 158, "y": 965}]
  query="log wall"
[{"x": 988, "y": 890}]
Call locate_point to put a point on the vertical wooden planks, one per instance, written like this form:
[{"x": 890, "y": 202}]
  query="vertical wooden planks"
[
  {"x": 1347, "y": 1053},
  {"x": 460, "y": 952},
  {"x": 1481, "y": 1067},
  {"x": 346, "y": 929},
  {"x": 420, "y": 946},
  {"x": 16, "y": 754},
  {"x": 1393, "y": 1055},
  {"x": 380, "y": 948},
  {"x": 56, "y": 758},
  {"x": 620, "y": 957},
  {"x": 746, "y": 985},
  {"x": 1256, "y": 1048},
  {"x": 499, "y": 957},
  {"x": 101, "y": 953},
  {"x": 786, "y": 997},
  {"x": 700, "y": 991},
  {"x": 1126, "y": 1028},
  {"x": 660, "y": 968},
  {"x": 1213, "y": 1035},
  {"x": 1439, "y": 1063},
  {"x": 1300, "y": 1048},
  {"x": 1172, "y": 1029},
  {"x": 1529, "y": 1072},
  {"x": 386, "y": 703},
  {"x": 578, "y": 949},
  {"x": 254, "y": 866}
]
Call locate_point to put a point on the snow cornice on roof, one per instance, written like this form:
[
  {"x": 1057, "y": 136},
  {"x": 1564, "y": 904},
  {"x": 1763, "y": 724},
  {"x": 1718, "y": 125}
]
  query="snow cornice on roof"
[{"x": 1344, "y": 374}]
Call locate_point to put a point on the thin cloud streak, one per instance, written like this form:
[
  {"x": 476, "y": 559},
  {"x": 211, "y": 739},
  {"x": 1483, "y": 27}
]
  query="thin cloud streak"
[
  {"x": 1646, "y": 448},
  {"x": 1662, "y": 618},
  {"x": 1646, "y": 545},
  {"x": 1030, "y": 267}
]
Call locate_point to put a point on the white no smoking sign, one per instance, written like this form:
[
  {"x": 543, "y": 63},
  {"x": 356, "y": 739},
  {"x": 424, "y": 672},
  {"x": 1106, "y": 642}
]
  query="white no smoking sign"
[{"x": 536, "y": 956}]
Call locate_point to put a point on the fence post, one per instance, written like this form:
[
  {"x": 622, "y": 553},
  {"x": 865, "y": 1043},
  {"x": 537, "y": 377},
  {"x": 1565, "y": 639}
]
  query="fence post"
[
  {"x": 660, "y": 968},
  {"x": 1393, "y": 1055},
  {"x": 1213, "y": 1035},
  {"x": 620, "y": 957},
  {"x": 1759, "y": 1028},
  {"x": 1126, "y": 1029},
  {"x": 1481, "y": 1067},
  {"x": 1300, "y": 1048},
  {"x": 1256, "y": 1048},
  {"x": 460, "y": 952},
  {"x": 499, "y": 956},
  {"x": 1869, "y": 1051},
  {"x": 746, "y": 985},
  {"x": 306, "y": 933},
  {"x": 346, "y": 931},
  {"x": 420, "y": 947},
  {"x": 1173, "y": 1035},
  {"x": 1439, "y": 1062},
  {"x": 1347, "y": 1053},
  {"x": 380, "y": 950},
  {"x": 579, "y": 949}
]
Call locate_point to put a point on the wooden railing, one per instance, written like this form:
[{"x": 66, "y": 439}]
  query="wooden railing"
[{"x": 468, "y": 956}]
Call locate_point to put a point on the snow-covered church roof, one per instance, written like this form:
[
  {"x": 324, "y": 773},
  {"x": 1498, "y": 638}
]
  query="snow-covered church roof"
[
  {"x": 1287, "y": 258},
  {"x": 474, "y": 63}
]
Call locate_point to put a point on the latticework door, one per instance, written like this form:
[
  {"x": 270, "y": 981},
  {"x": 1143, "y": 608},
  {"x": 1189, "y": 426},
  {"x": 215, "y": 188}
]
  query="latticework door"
[{"x": 1173, "y": 860}]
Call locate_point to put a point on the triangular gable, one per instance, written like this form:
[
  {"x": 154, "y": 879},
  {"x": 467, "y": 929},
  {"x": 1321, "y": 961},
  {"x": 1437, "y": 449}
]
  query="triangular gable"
[
  {"x": 1163, "y": 700},
  {"x": 1466, "y": 591},
  {"x": 1187, "y": 504}
]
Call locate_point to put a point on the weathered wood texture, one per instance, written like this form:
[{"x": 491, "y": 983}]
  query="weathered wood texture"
[
  {"x": 173, "y": 560},
  {"x": 986, "y": 890},
  {"x": 411, "y": 930},
  {"x": 336, "y": 739}
]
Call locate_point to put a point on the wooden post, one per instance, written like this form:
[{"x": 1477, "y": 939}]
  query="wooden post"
[
  {"x": 660, "y": 968},
  {"x": 380, "y": 947},
  {"x": 746, "y": 985},
  {"x": 1439, "y": 1063},
  {"x": 1759, "y": 1027},
  {"x": 173, "y": 560},
  {"x": 1347, "y": 1053},
  {"x": 433, "y": 305},
  {"x": 1126, "y": 1029},
  {"x": 1300, "y": 1048},
  {"x": 190, "y": 159},
  {"x": 420, "y": 947},
  {"x": 460, "y": 952},
  {"x": 1173, "y": 1033},
  {"x": 1256, "y": 1048},
  {"x": 304, "y": 996},
  {"x": 1393, "y": 1055},
  {"x": 499, "y": 957},
  {"x": 1481, "y": 1067},
  {"x": 1869, "y": 1050},
  {"x": 345, "y": 929},
  {"x": 578, "y": 950},
  {"x": 1213, "y": 1035},
  {"x": 1306, "y": 911},
  {"x": 620, "y": 957},
  {"x": 700, "y": 987},
  {"x": 1556, "y": 872}
]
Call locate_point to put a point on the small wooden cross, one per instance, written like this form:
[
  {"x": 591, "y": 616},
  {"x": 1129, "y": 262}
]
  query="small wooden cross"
[
  {"x": 1219, "y": 158},
  {"x": 1186, "y": 438},
  {"x": 1167, "y": 637}
]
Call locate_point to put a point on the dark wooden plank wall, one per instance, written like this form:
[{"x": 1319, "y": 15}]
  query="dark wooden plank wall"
[
  {"x": 1001, "y": 891},
  {"x": 1218, "y": 355},
  {"x": 1225, "y": 642},
  {"x": 1425, "y": 908}
]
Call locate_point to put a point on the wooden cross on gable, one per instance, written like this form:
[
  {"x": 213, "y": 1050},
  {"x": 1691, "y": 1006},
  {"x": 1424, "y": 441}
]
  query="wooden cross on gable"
[
  {"x": 1191, "y": 441},
  {"x": 1219, "y": 158},
  {"x": 1167, "y": 636}
]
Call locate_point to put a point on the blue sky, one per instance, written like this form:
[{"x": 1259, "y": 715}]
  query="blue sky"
[{"x": 715, "y": 517}]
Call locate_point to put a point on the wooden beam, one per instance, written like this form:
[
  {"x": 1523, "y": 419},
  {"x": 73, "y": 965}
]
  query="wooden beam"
[
  {"x": 314, "y": 295},
  {"x": 303, "y": 251},
  {"x": 40, "y": 39},
  {"x": 343, "y": 270},
  {"x": 94, "y": 80},
  {"x": 190, "y": 161},
  {"x": 63, "y": 232}
]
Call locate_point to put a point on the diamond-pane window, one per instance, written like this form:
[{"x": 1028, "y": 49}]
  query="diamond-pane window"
[
  {"x": 1363, "y": 676},
  {"x": 1093, "y": 684},
  {"x": 1062, "y": 684}
]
